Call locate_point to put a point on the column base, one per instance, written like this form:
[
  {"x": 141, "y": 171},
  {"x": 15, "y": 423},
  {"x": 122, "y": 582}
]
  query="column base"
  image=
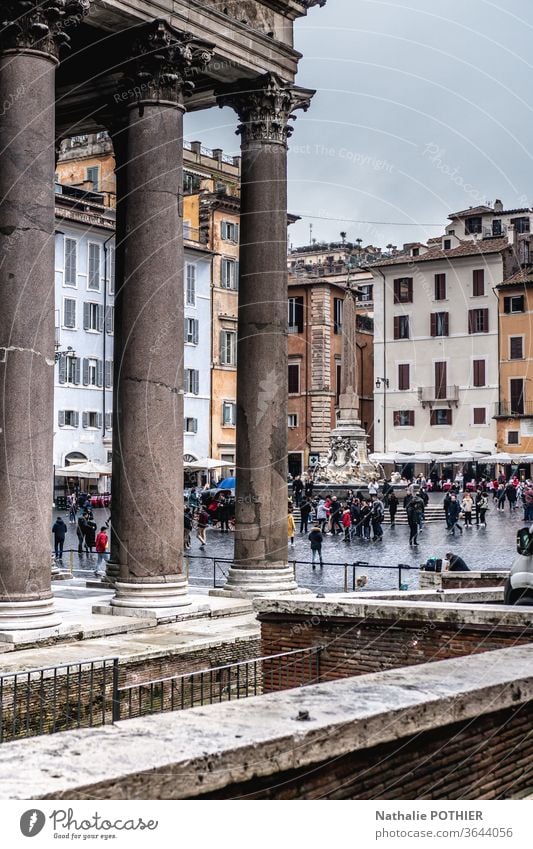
[
  {"x": 243, "y": 583},
  {"x": 37, "y": 615},
  {"x": 159, "y": 600}
]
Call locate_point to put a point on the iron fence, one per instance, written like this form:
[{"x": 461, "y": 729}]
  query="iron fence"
[
  {"x": 233, "y": 681},
  {"x": 57, "y": 698}
]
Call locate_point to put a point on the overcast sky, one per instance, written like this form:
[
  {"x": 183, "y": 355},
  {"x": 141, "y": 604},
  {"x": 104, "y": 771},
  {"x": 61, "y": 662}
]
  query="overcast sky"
[{"x": 422, "y": 108}]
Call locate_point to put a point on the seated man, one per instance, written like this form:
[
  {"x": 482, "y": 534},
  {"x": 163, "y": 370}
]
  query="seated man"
[{"x": 456, "y": 563}]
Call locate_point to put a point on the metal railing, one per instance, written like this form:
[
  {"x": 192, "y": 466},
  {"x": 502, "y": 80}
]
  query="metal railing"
[
  {"x": 518, "y": 408},
  {"x": 233, "y": 681},
  {"x": 57, "y": 698},
  {"x": 429, "y": 394}
]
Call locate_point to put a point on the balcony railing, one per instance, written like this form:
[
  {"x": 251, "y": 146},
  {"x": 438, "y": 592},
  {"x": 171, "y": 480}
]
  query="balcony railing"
[
  {"x": 429, "y": 395},
  {"x": 508, "y": 408}
]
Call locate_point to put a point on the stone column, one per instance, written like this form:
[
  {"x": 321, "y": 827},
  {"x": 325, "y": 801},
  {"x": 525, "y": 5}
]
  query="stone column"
[
  {"x": 147, "y": 505},
  {"x": 31, "y": 34},
  {"x": 264, "y": 107}
]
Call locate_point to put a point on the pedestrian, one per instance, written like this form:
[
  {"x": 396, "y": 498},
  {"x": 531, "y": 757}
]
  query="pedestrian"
[
  {"x": 90, "y": 533},
  {"x": 452, "y": 516},
  {"x": 355, "y": 513},
  {"x": 392, "y": 503},
  {"x": 308, "y": 488},
  {"x": 59, "y": 531},
  {"x": 482, "y": 505},
  {"x": 346, "y": 522},
  {"x": 316, "y": 538},
  {"x": 305, "y": 511},
  {"x": 101, "y": 550},
  {"x": 80, "y": 533},
  {"x": 297, "y": 489},
  {"x": 414, "y": 508},
  {"x": 322, "y": 515},
  {"x": 291, "y": 527},
  {"x": 376, "y": 518},
  {"x": 72, "y": 509},
  {"x": 466, "y": 506},
  {"x": 335, "y": 516},
  {"x": 500, "y": 495},
  {"x": 224, "y": 511},
  {"x": 456, "y": 563},
  {"x": 187, "y": 528},
  {"x": 445, "y": 505},
  {"x": 528, "y": 502},
  {"x": 201, "y": 527},
  {"x": 510, "y": 491},
  {"x": 366, "y": 519}
]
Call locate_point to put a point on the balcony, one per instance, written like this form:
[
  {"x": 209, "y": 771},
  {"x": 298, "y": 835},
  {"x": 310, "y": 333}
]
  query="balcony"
[
  {"x": 430, "y": 395},
  {"x": 507, "y": 409}
]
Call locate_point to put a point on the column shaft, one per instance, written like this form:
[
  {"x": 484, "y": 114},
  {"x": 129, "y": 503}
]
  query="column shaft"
[{"x": 26, "y": 337}]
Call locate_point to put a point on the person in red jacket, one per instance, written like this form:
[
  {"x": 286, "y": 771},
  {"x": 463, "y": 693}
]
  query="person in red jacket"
[{"x": 101, "y": 550}]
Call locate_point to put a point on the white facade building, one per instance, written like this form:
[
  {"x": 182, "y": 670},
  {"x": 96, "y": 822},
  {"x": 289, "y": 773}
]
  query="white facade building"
[
  {"x": 436, "y": 334},
  {"x": 84, "y": 309},
  {"x": 197, "y": 355}
]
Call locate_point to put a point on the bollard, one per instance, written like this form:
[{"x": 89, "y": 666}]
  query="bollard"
[{"x": 71, "y": 561}]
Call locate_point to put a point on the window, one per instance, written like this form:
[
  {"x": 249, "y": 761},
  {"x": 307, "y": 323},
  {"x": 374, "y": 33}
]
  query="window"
[
  {"x": 403, "y": 290},
  {"x": 108, "y": 376},
  {"x": 447, "y": 243},
  {"x": 478, "y": 282},
  {"x": 190, "y": 425},
  {"x": 93, "y": 281},
  {"x": 68, "y": 418},
  {"x": 516, "y": 392},
  {"x": 191, "y": 331},
  {"x": 92, "y": 372},
  {"x": 497, "y": 227},
  {"x": 69, "y": 313},
  {"x": 514, "y": 303},
  {"x": 190, "y": 285},
  {"x": 229, "y": 231},
  {"x": 478, "y": 377},
  {"x": 439, "y": 324},
  {"x": 516, "y": 348},
  {"x": 365, "y": 293},
  {"x": 521, "y": 225},
  {"x": 187, "y": 230},
  {"x": 229, "y": 413},
  {"x": 191, "y": 183},
  {"x": 109, "y": 426},
  {"x": 296, "y": 315},
  {"x": 292, "y": 420},
  {"x": 93, "y": 316},
  {"x": 69, "y": 370},
  {"x": 404, "y": 379},
  {"x": 440, "y": 287},
  {"x": 416, "y": 251},
  {"x": 71, "y": 257},
  {"x": 93, "y": 176},
  {"x": 478, "y": 321},
  {"x": 92, "y": 419},
  {"x": 473, "y": 224},
  {"x": 513, "y": 437},
  {"x": 228, "y": 347},
  {"x": 441, "y": 377},
  {"x": 401, "y": 327},
  {"x": 480, "y": 415},
  {"x": 337, "y": 315},
  {"x": 229, "y": 274},
  {"x": 192, "y": 381},
  {"x": 441, "y": 417},
  {"x": 404, "y": 418},
  {"x": 294, "y": 378}
]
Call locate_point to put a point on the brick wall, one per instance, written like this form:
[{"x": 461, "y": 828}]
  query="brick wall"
[
  {"x": 488, "y": 757},
  {"x": 357, "y": 647}
]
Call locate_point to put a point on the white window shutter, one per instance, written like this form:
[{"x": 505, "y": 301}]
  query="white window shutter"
[
  {"x": 85, "y": 419},
  {"x": 195, "y": 425},
  {"x": 108, "y": 421},
  {"x": 186, "y": 379},
  {"x": 196, "y": 380},
  {"x": 99, "y": 420},
  {"x": 76, "y": 419},
  {"x": 61, "y": 418},
  {"x": 195, "y": 331}
]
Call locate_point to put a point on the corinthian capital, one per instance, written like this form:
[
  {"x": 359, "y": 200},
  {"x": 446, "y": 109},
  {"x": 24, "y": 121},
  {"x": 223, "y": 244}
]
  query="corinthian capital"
[
  {"x": 39, "y": 24},
  {"x": 265, "y": 105},
  {"x": 165, "y": 62}
]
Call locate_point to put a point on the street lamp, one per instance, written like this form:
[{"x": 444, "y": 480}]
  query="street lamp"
[
  {"x": 380, "y": 380},
  {"x": 59, "y": 355}
]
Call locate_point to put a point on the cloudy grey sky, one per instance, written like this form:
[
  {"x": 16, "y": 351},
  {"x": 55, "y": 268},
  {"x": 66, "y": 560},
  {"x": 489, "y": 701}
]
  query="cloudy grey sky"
[{"x": 422, "y": 108}]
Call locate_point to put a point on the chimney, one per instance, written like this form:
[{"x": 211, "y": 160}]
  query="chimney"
[
  {"x": 498, "y": 206},
  {"x": 196, "y": 147},
  {"x": 217, "y": 153}
]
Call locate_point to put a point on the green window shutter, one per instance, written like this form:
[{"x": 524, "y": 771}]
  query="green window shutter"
[
  {"x": 76, "y": 419},
  {"x": 62, "y": 370},
  {"x": 85, "y": 375},
  {"x": 100, "y": 311},
  {"x": 61, "y": 418},
  {"x": 108, "y": 373},
  {"x": 86, "y": 315},
  {"x": 85, "y": 419},
  {"x": 99, "y": 373},
  {"x": 76, "y": 370}
]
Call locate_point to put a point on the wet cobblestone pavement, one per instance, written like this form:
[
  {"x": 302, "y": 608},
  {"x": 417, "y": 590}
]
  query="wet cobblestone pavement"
[{"x": 492, "y": 547}]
